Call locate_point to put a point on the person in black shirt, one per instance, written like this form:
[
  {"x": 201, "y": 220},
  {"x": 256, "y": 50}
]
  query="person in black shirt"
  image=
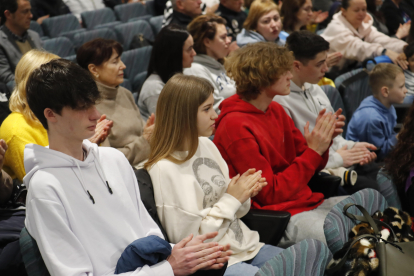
[{"x": 231, "y": 10}]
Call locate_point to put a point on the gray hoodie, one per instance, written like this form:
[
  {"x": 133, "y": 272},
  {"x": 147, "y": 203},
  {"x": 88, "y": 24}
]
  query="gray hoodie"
[
  {"x": 246, "y": 37},
  {"x": 208, "y": 68},
  {"x": 304, "y": 105}
]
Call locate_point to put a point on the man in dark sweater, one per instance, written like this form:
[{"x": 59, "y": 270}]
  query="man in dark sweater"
[
  {"x": 184, "y": 11},
  {"x": 231, "y": 10}
]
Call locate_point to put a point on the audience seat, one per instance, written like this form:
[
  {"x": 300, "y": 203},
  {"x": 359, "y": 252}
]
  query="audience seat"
[
  {"x": 149, "y": 7},
  {"x": 337, "y": 225},
  {"x": 136, "y": 61},
  {"x": 125, "y": 12},
  {"x": 388, "y": 189},
  {"x": 144, "y": 17},
  {"x": 309, "y": 257},
  {"x": 34, "y": 26},
  {"x": 156, "y": 24},
  {"x": 353, "y": 87},
  {"x": 138, "y": 81},
  {"x": 82, "y": 38},
  {"x": 102, "y": 18},
  {"x": 126, "y": 32},
  {"x": 63, "y": 25},
  {"x": 336, "y": 101},
  {"x": 35, "y": 266},
  {"x": 60, "y": 46}
]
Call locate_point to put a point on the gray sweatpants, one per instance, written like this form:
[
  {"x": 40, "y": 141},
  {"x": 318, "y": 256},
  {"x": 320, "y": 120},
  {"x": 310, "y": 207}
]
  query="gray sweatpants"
[{"x": 309, "y": 224}]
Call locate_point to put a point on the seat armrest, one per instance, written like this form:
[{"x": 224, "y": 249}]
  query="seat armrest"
[
  {"x": 325, "y": 183},
  {"x": 270, "y": 224}
]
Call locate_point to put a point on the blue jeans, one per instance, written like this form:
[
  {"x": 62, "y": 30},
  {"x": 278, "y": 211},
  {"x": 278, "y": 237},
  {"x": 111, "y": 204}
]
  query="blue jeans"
[
  {"x": 250, "y": 267},
  {"x": 409, "y": 98}
]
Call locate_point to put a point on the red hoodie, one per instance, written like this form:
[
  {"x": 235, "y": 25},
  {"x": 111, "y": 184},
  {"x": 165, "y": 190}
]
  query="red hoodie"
[{"x": 249, "y": 138}]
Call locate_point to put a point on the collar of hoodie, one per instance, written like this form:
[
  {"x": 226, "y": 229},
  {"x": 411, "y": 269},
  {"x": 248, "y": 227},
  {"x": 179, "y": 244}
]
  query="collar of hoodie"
[{"x": 101, "y": 174}]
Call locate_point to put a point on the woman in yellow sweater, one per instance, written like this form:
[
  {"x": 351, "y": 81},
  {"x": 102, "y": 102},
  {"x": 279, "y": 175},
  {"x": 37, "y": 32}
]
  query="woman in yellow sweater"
[{"x": 22, "y": 127}]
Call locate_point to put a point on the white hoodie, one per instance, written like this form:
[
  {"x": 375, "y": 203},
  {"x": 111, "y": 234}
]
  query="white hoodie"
[
  {"x": 210, "y": 69},
  {"x": 303, "y": 106},
  {"x": 76, "y": 236},
  {"x": 358, "y": 45}
]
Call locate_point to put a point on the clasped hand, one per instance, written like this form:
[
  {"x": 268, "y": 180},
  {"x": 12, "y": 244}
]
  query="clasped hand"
[{"x": 248, "y": 185}]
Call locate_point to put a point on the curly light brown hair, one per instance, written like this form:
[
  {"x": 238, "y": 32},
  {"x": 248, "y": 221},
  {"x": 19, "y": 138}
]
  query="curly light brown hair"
[{"x": 257, "y": 66}]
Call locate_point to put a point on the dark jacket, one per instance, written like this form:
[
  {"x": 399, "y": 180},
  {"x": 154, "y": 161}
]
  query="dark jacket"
[
  {"x": 48, "y": 7},
  {"x": 234, "y": 20},
  {"x": 10, "y": 53},
  {"x": 180, "y": 19},
  {"x": 394, "y": 16}
]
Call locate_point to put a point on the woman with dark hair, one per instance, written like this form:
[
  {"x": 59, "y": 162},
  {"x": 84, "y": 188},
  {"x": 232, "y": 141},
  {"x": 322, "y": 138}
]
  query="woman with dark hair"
[
  {"x": 130, "y": 133},
  {"x": 296, "y": 14},
  {"x": 172, "y": 52},
  {"x": 400, "y": 163},
  {"x": 212, "y": 45},
  {"x": 351, "y": 33}
]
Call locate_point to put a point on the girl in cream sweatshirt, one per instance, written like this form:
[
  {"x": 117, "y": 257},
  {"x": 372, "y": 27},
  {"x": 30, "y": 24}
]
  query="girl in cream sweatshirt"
[{"x": 193, "y": 192}]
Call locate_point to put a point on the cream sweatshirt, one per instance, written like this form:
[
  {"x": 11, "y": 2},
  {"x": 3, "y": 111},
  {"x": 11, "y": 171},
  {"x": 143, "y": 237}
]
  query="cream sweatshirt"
[
  {"x": 126, "y": 135},
  {"x": 191, "y": 198},
  {"x": 358, "y": 45}
]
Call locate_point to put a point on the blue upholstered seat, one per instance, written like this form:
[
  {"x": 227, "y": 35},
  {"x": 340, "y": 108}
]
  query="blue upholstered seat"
[
  {"x": 156, "y": 24},
  {"x": 60, "y": 46},
  {"x": 105, "y": 16},
  {"x": 126, "y": 32},
  {"x": 62, "y": 25},
  {"x": 84, "y": 37},
  {"x": 337, "y": 225},
  {"x": 125, "y": 12}
]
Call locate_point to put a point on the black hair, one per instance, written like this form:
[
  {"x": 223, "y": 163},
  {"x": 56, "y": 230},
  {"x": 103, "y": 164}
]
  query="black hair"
[
  {"x": 97, "y": 51},
  {"x": 58, "y": 84},
  {"x": 167, "y": 52},
  {"x": 7, "y": 5},
  {"x": 306, "y": 45},
  {"x": 409, "y": 50},
  {"x": 345, "y": 4}
]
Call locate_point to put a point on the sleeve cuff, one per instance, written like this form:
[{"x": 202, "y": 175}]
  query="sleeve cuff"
[{"x": 163, "y": 269}]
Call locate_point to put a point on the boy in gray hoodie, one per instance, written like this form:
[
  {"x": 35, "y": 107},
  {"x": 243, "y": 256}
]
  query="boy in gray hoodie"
[{"x": 307, "y": 99}]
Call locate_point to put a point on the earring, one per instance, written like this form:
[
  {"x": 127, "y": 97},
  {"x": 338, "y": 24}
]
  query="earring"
[{"x": 97, "y": 76}]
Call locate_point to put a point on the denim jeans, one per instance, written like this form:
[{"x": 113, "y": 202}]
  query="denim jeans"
[{"x": 250, "y": 267}]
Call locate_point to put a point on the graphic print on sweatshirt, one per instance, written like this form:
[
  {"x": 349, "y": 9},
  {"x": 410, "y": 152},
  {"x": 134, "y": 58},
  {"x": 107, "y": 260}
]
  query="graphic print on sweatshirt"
[
  {"x": 221, "y": 80},
  {"x": 210, "y": 178},
  {"x": 213, "y": 183}
]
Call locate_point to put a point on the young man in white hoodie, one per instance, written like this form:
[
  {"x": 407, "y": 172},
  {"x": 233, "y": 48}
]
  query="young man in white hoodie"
[
  {"x": 307, "y": 99},
  {"x": 83, "y": 204}
]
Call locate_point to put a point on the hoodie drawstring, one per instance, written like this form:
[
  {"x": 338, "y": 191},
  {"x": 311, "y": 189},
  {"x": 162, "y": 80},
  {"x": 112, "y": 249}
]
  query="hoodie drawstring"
[
  {"x": 101, "y": 171},
  {"x": 82, "y": 182}
]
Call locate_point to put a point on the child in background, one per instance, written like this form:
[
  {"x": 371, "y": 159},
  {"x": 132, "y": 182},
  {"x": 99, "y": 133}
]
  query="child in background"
[
  {"x": 375, "y": 118},
  {"x": 409, "y": 73}
]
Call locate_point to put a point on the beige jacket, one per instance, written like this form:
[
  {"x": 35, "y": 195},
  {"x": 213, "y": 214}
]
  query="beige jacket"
[
  {"x": 358, "y": 45},
  {"x": 126, "y": 134}
]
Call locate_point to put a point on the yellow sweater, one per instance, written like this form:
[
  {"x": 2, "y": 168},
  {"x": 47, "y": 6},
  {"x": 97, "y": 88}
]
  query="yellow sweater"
[{"x": 17, "y": 132}]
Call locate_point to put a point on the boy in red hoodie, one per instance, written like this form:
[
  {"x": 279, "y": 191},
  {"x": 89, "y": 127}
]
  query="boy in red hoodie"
[{"x": 253, "y": 131}]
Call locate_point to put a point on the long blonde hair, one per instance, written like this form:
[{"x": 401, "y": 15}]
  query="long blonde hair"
[
  {"x": 27, "y": 64},
  {"x": 176, "y": 118}
]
